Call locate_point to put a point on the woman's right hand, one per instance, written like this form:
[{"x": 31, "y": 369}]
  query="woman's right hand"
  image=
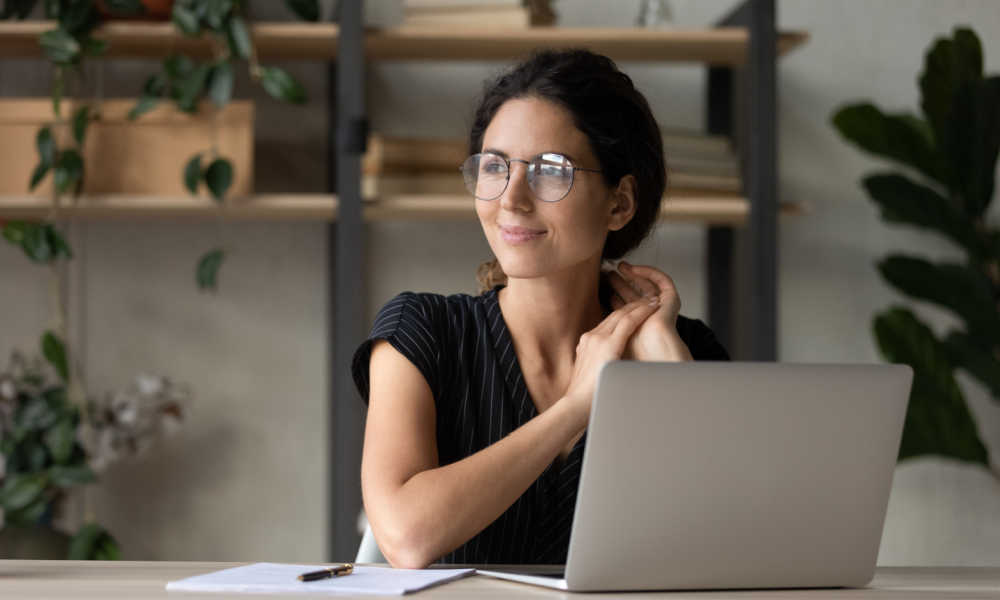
[{"x": 601, "y": 345}]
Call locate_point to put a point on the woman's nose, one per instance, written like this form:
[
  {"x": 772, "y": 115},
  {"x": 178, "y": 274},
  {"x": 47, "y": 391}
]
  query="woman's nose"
[{"x": 517, "y": 196}]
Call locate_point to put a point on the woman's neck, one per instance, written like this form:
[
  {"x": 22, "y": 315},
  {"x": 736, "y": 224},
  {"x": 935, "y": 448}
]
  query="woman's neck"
[{"x": 547, "y": 315}]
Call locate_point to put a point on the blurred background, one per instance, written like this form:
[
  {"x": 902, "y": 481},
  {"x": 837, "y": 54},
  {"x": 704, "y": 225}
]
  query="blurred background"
[{"x": 243, "y": 474}]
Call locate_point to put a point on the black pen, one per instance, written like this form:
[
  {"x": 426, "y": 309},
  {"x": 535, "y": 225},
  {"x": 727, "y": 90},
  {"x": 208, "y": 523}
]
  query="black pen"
[{"x": 344, "y": 569}]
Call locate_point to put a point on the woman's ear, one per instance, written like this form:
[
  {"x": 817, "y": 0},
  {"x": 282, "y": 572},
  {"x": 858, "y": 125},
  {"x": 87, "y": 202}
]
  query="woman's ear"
[{"x": 623, "y": 203}]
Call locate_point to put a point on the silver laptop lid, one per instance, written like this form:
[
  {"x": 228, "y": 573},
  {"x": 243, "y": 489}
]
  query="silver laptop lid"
[{"x": 736, "y": 475}]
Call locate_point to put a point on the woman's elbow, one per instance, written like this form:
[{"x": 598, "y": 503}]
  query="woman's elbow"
[{"x": 405, "y": 549}]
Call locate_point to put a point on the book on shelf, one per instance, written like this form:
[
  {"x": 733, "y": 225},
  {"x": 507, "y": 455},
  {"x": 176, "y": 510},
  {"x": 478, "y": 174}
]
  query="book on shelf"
[
  {"x": 692, "y": 143},
  {"x": 387, "y": 154}
]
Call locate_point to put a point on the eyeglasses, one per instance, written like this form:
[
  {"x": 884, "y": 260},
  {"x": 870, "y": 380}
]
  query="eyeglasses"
[{"x": 550, "y": 175}]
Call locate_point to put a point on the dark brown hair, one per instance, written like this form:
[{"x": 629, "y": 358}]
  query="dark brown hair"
[{"x": 607, "y": 108}]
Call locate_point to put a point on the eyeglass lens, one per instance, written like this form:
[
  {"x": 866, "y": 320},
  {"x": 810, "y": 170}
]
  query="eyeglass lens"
[{"x": 549, "y": 175}]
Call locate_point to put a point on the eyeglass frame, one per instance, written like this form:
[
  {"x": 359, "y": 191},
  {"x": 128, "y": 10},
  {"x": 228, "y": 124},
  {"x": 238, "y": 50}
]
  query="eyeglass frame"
[{"x": 530, "y": 172}]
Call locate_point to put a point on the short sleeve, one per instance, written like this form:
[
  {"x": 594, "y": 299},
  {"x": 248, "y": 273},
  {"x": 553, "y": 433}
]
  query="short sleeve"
[
  {"x": 700, "y": 340},
  {"x": 405, "y": 322}
]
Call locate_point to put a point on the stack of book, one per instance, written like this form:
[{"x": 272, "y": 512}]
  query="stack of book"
[
  {"x": 401, "y": 166},
  {"x": 698, "y": 165},
  {"x": 492, "y": 13}
]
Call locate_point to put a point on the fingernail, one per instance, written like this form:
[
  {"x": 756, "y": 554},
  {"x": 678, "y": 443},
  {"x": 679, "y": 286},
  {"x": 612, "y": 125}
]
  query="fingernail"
[{"x": 654, "y": 300}]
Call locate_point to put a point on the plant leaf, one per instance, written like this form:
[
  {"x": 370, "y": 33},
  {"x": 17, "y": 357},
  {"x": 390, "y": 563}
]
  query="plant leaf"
[
  {"x": 155, "y": 85},
  {"x": 185, "y": 19},
  {"x": 35, "y": 414},
  {"x": 125, "y": 7},
  {"x": 239, "y": 37},
  {"x": 31, "y": 514},
  {"x": 307, "y": 10},
  {"x": 67, "y": 476},
  {"x": 192, "y": 173},
  {"x": 177, "y": 66},
  {"x": 21, "y": 489},
  {"x": 57, "y": 243},
  {"x": 55, "y": 352},
  {"x": 94, "y": 46},
  {"x": 59, "y": 46},
  {"x": 207, "y": 272},
  {"x": 983, "y": 140},
  {"x": 59, "y": 440},
  {"x": 958, "y": 288},
  {"x": 216, "y": 12},
  {"x": 108, "y": 549},
  {"x": 906, "y": 202},
  {"x": 281, "y": 85},
  {"x": 68, "y": 170},
  {"x": 41, "y": 170},
  {"x": 90, "y": 539},
  {"x": 36, "y": 244},
  {"x": 192, "y": 87},
  {"x": 143, "y": 106},
  {"x": 78, "y": 17},
  {"x": 220, "y": 86},
  {"x": 901, "y": 137},
  {"x": 14, "y": 231},
  {"x": 218, "y": 178},
  {"x": 965, "y": 353},
  {"x": 938, "y": 420},
  {"x": 80, "y": 120},
  {"x": 949, "y": 64},
  {"x": 46, "y": 146}
]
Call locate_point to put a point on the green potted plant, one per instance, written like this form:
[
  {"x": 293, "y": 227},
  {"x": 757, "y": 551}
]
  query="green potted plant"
[
  {"x": 51, "y": 446},
  {"x": 943, "y": 182},
  {"x": 53, "y": 436}
]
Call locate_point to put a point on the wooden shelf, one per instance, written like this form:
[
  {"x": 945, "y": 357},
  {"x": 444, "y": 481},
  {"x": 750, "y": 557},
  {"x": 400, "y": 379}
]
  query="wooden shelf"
[
  {"x": 318, "y": 41},
  {"x": 727, "y": 210}
]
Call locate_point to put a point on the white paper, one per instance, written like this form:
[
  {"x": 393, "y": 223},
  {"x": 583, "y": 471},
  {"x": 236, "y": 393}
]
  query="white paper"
[{"x": 271, "y": 578}]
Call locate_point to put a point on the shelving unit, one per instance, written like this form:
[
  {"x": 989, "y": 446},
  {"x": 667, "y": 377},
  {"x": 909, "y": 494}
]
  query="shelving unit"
[{"x": 740, "y": 55}]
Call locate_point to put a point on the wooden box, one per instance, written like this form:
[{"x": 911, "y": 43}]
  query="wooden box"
[{"x": 145, "y": 156}]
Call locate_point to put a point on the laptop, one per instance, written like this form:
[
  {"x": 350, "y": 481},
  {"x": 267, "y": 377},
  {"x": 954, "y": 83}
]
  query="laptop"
[{"x": 732, "y": 475}]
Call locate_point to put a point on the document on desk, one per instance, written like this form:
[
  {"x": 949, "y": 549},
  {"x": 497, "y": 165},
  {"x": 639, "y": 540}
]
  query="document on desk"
[{"x": 276, "y": 578}]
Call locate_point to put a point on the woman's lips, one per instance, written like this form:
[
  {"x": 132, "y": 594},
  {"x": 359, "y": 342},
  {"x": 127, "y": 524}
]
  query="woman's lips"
[{"x": 517, "y": 235}]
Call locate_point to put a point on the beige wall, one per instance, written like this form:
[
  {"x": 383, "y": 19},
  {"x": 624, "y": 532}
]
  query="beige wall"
[{"x": 245, "y": 479}]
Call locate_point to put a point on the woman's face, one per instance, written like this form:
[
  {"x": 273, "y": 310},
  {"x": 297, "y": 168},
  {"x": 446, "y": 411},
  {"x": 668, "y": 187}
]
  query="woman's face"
[{"x": 530, "y": 237}]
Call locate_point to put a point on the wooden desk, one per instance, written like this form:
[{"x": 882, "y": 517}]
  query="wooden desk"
[{"x": 140, "y": 580}]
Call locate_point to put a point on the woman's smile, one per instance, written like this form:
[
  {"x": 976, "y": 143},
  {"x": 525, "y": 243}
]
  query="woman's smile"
[{"x": 520, "y": 235}]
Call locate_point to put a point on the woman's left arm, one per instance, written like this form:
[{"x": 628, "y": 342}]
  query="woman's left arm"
[{"x": 656, "y": 339}]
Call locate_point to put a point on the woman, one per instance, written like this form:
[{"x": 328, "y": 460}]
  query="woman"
[{"x": 478, "y": 405}]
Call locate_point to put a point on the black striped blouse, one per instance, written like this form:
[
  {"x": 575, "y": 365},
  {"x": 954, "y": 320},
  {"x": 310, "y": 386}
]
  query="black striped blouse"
[{"x": 461, "y": 345}]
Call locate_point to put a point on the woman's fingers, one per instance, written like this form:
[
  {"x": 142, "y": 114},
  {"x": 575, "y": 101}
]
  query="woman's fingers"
[
  {"x": 622, "y": 288},
  {"x": 633, "y": 317},
  {"x": 649, "y": 278},
  {"x": 607, "y": 326},
  {"x": 643, "y": 285}
]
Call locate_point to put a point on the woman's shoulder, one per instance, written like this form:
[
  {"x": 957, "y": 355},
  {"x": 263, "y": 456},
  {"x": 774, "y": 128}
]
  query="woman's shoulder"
[
  {"x": 431, "y": 306},
  {"x": 700, "y": 339}
]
